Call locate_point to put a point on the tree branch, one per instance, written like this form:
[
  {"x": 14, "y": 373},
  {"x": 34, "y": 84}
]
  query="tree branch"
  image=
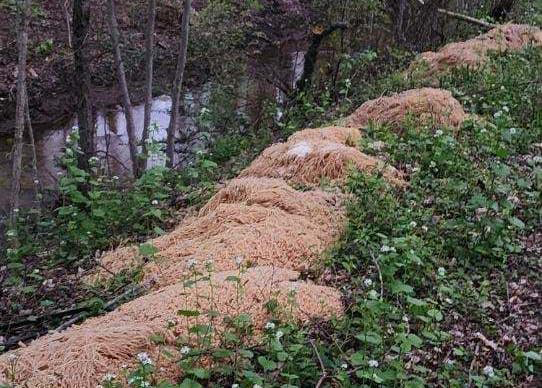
[{"x": 467, "y": 18}]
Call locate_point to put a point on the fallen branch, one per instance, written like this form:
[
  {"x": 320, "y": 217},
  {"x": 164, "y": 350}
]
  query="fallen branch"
[
  {"x": 133, "y": 291},
  {"x": 32, "y": 319},
  {"x": 467, "y": 18}
]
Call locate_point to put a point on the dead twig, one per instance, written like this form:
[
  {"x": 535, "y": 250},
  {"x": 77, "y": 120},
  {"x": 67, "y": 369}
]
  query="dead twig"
[
  {"x": 473, "y": 361},
  {"x": 324, "y": 373}
]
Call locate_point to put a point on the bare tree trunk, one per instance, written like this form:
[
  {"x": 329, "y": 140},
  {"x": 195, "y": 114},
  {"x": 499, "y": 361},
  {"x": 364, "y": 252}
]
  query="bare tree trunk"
[
  {"x": 127, "y": 105},
  {"x": 81, "y": 80},
  {"x": 22, "y": 43},
  {"x": 35, "y": 175},
  {"x": 149, "y": 53},
  {"x": 177, "y": 84},
  {"x": 67, "y": 16},
  {"x": 312, "y": 55},
  {"x": 400, "y": 31}
]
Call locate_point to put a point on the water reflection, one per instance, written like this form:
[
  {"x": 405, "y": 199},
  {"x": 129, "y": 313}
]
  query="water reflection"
[
  {"x": 111, "y": 144},
  {"x": 112, "y": 139}
]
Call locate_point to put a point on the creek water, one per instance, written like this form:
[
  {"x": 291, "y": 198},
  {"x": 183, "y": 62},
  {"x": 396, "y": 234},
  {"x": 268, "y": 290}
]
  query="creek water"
[{"x": 112, "y": 139}]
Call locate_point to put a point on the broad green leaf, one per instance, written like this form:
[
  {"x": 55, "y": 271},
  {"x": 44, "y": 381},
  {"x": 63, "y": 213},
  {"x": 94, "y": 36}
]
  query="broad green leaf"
[
  {"x": 267, "y": 364},
  {"x": 370, "y": 337},
  {"x": 147, "y": 250}
]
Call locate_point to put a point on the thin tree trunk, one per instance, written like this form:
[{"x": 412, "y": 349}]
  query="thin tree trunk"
[
  {"x": 67, "y": 16},
  {"x": 312, "y": 55},
  {"x": 81, "y": 81},
  {"x": 22, "y": 43},
  {"x": 177, "y": 84},
  {"x": 149, "y": 53},
  {"x": 399, "y": 28},
  {"x": 127, "y": 105},
  {"x": 35, "y": 175}
]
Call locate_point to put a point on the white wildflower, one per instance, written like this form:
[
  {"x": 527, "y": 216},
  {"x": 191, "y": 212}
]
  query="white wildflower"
[
  {"x": 377, "y": 145},
  {"x": 413, "y": 224},
  {"x": 36, "y": 181},
  {"x": 185, "y": 350},
  {"x": 386, "y": 248},
  {"x": 441, "y": 271},
  {"x": 439, "y": 132},
  {"x": 191, "y": 263},
  {"x": 154, "y": 202},
  {"x": 344, "y": 365},
  {"x": 425, "y": 228},
  {"x": 109, "y": 377},
  {"x": 488, "y": 371},
  {"x": 506, "y": 109},
  {"x": 269, "y": 325},
  {"x": 432, "y": 164},
  {"x": 16, "y": 210},
  {"x": 115, "y": 178},
  {"x": 373, "y": 364},
  {"x": 239, "y": 260},
  {"x": 257, "y": 386},
  {"x": 497, "y": 114},
  {"x": 367, "y": 282},
  {"x": 144, "y": 358},
  {"x": 279, "y": 334},
  {"x": 513, "y": 131},
  {"x": 405, "y": 318}
]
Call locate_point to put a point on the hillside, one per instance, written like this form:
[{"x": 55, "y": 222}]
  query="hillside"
[{"x": 397, "y": 246}]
